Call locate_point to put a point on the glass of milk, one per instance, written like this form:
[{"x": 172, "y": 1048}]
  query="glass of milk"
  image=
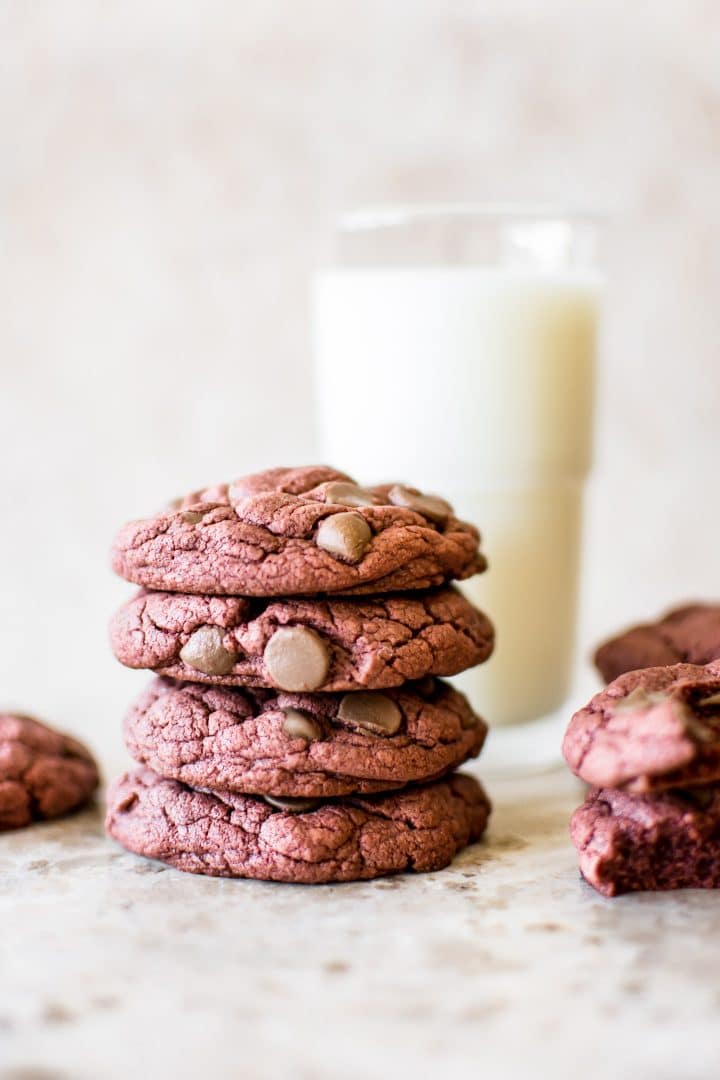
[{"x": 455, "y": 350}]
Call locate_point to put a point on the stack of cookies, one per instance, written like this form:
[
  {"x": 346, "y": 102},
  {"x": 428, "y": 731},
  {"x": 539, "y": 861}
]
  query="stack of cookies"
[
  {"x": 297, "y": 729},
  {"x": 649, "y": 744}
]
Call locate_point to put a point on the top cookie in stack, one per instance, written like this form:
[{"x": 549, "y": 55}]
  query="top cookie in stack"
[
  {"x": 300, "y": 597},
  {"x": 299, "y": 532}
]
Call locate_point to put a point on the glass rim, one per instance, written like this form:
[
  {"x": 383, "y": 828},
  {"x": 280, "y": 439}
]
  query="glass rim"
[{"x": 391, "y": 215}]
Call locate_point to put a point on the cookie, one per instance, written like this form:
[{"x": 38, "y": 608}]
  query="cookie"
[
  {"x": 320, "y": 745},
  {"x": 687, "y": 635},
  {"x": 302, "y": 645},
  {"x": 629, "y": 842},
  {"x": 43, "y": 774},
  {"x": 419, "y": 828},
  {"x": 294, "y": 532},
  {"x": 650, "y": 730}
]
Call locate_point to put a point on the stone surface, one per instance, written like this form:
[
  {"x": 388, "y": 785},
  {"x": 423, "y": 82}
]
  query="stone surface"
[{"x": 505, "y": 964}]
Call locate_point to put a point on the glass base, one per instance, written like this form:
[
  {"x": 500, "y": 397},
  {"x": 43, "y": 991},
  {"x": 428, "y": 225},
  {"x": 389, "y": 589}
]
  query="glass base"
[{"x": 524, "y": 749}]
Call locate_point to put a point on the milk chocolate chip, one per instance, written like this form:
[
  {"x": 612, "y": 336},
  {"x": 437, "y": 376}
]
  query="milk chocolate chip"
[
  {"x": 297, "y": 659},
  {"x": 346, "y": 494},
  {"x": 639, "y": 698},
  {"x": 292, "y": 806},
  {"x": 371, "y": 712},
  {"x": 344, "y": 535},
  {"x": 298, "y": 725},
  {"x": 192, "y": 517},
  {"x": 204, "y": 651},
  {"x": 430, "y": 506}
]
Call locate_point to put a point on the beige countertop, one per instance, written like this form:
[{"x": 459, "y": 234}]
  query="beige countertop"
[{"x": 504, "y": 965}]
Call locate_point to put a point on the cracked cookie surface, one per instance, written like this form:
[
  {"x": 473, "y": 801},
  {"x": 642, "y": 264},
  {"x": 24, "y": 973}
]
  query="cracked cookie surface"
[
  {"x": 367, "y": 644},
  {"x": 649, "y": 730},
  {"x": 293, "y": 532},
  {"x": 686, "y": 635},
  {"x": 300, "y": 745},
  {"x": 627, "y": 843},
  {"x": 353, "y": 839},
  {"x": 43, "y": 773}
]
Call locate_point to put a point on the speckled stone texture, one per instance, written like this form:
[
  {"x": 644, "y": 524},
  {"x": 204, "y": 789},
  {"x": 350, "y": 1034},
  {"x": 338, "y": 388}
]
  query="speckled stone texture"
[
  {"x": 43, "y": 773},
  {"x": 650, "y": 730},
  {"x": 234, "y": 740},
  {"x": 689, "y": 635},
  {"x": 371, "y": 643},
  {"x": 259, "y": 537},
  {"x": 241, "y": 836},
  {"x": 628, "y": 843}
]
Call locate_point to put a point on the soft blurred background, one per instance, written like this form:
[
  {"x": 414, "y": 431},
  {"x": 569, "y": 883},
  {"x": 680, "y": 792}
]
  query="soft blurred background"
[{"x": 168, "y": 179}]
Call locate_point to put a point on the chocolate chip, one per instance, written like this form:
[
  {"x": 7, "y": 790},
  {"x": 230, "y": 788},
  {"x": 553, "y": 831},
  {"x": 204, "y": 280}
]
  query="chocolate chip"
[
  {"x": 371, "y": 712},
  {"x": 639, "y": 698},
  {"x": 345, "y": 494},
  {"x": 292, "y": 806},
  {"x": 204, "y": 651},
  {"x": 430, "y": 506},
  {"x": 191, "y": 516},
  {"x": 298, "y": 725},
  {"x": 297, "y": 659},
  {"x": 345, "y": 535},
  {"x": 694, "y": 727}
]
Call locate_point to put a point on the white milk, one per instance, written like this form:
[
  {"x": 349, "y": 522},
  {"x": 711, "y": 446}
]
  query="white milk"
[{"x": 476, "y": 384}]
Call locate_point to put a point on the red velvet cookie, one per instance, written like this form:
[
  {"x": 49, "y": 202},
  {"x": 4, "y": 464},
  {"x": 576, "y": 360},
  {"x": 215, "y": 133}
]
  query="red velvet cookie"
[
  {"x": 302, "y": 645},
  {"x": 687, "y": 635},
  {"x": 43, "y": 774},
  {"x": 629, "y": 842},
  {"x": 320, "y": 745},
  {"x": 419, "y": 828},
  {"x": 291, "y": 532},
  {"x": 650, "y": 730}
]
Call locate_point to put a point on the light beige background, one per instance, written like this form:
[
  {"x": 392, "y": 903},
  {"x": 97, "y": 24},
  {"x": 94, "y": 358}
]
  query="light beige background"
[{"x": 168, "y": 173}]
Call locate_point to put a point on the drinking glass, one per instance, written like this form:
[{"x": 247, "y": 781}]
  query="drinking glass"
[{"x": 455, "y": 351}]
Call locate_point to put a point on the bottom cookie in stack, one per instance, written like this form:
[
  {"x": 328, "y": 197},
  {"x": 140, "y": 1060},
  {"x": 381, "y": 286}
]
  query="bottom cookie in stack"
[
  {"x": 303, "y": 840},
  {"x": 650, "y": 746},
  {"x": 303, "y": 788}
]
